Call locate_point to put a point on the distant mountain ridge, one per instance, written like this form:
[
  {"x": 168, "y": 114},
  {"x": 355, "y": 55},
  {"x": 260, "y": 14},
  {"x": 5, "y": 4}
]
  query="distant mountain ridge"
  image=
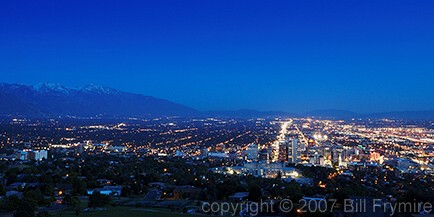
[
  {"x": 249, "y": 113},
  {"x": 342, "y": 114},
  {"x": 332, "y": 113},
  {"x": 51, "y": 99}
]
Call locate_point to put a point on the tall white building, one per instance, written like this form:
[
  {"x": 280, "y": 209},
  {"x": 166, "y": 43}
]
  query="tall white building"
[
  {"x": 37, "y": 155},
  {"x": 252, "y": 152},
  {"x": 23, "y": 155},
  {"x": 40, "y": 155},
  {"x": 293, "y": 151}
]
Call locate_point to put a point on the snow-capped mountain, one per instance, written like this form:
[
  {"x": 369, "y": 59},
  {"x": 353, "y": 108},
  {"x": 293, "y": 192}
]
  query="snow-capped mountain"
[
  {"x": 50, "y": 88},
  {"x": 48, "y": 99},
  {"x": 91, "y": 88}
]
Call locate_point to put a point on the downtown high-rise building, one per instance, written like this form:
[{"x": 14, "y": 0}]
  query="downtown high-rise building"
[
  {"x": 252, "y": 152},
  {"x": 283, "y": 151},
  {"x": 293, "y": 152}
]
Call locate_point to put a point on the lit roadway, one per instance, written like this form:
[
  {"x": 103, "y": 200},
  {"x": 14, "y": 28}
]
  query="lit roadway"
[
  {"x": 280, "y": 137},
  {"x": 302, "y": 135}
]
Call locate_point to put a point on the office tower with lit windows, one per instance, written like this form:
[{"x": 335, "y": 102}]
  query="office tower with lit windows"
[
  {"x": 252, "y": 152},
  {"x": 293, "y": 151}
]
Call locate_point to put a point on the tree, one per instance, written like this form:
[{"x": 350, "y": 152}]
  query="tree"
[
  {"x": 25, "y": 208},
  {"x": 255, "y": 192},
  {"x": 43, "y": 214},
  {"x": 2, "y": 190},
  {"x": 279, "y": 175},
  {"x": 10, "y": 203},
  {"x": 72, "y": 202},
  {"x": 98, "y": 200},
  {"x": 78, "y": 186},
  {"x": 34, "y": 196}
]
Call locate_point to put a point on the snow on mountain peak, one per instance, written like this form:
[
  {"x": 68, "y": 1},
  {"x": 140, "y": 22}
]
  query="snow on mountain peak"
[
  {"x": 91, "y": 88},
  {"x": 51, "y": 87}
]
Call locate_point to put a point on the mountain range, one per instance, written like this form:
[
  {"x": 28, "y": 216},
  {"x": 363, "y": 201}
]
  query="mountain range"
[
  {"x": 50, "y": 99},
  {"x": 47, "y": 99}
]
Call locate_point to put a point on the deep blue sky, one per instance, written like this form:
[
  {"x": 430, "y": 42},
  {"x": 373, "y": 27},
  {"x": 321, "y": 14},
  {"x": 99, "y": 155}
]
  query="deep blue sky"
[{"x": 364, "y": 56}]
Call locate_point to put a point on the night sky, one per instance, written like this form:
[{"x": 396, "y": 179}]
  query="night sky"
[{"x": 296, "y": 56}]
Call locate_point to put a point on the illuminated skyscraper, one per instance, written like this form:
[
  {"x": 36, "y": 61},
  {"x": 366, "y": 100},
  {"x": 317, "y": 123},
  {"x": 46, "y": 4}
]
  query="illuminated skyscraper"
[
  {"x": 293, "y": 151},
  {"x": 283, "y": 151}
]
